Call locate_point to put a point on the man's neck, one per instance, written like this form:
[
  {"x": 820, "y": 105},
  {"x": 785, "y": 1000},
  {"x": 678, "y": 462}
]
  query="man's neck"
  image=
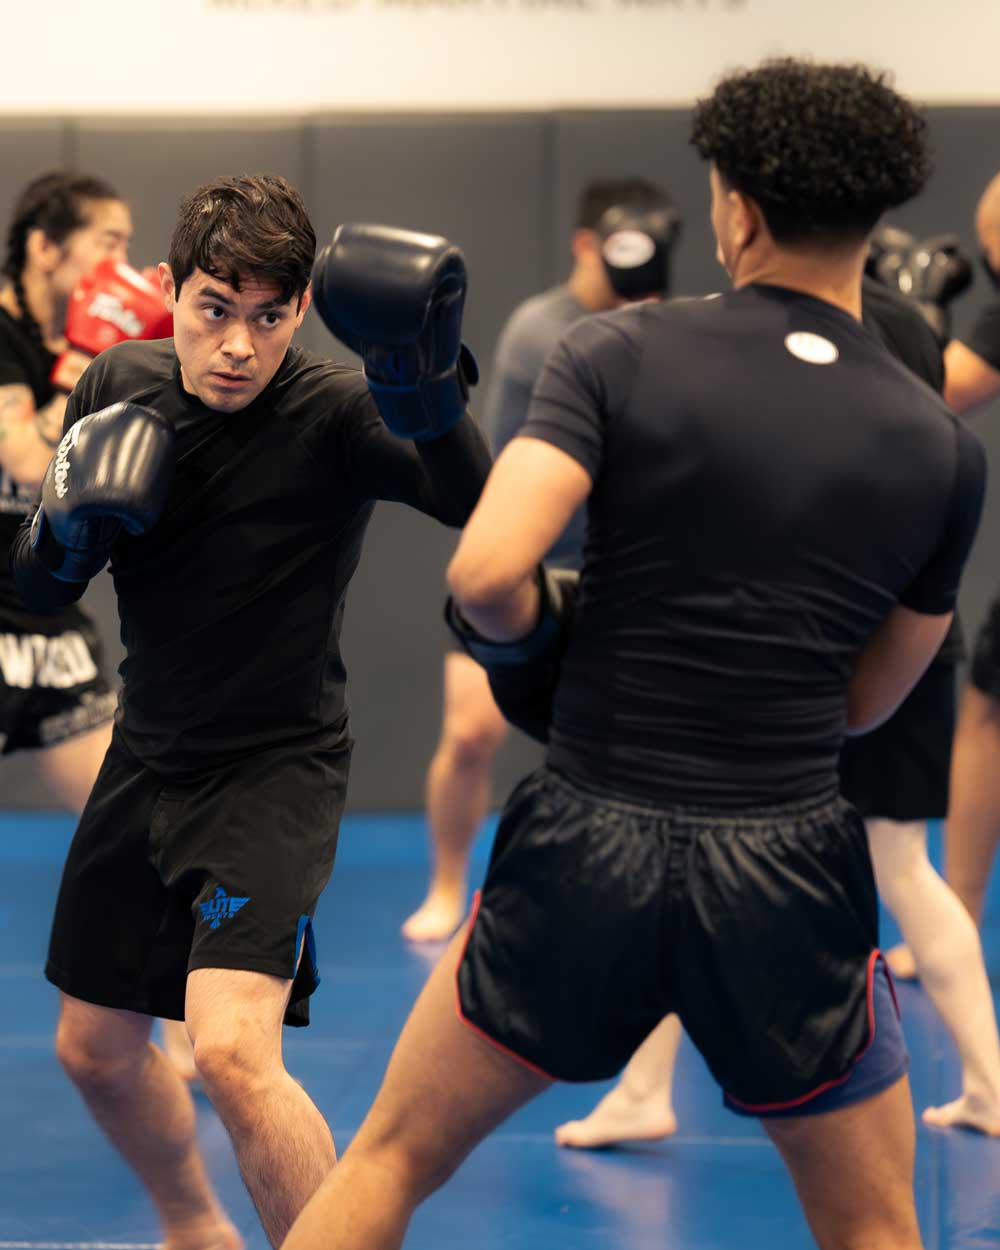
[
  {"x": 832, "y": 280},
  {"x": 588, "y": 291}
]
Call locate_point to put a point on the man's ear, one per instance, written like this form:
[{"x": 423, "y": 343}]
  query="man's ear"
[
  {"x": 305, "y": 300},
  {"x": 747, "y": 219},
  {"x": 166, "y": 278}
]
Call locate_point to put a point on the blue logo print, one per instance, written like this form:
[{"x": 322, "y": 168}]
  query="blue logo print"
[{"x": 220, "y": 908}]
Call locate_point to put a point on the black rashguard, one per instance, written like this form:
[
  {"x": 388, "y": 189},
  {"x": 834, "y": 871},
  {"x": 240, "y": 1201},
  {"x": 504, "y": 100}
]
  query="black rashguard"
[
  {"x": 904, "y": 331},
  {"x": 231, "y": 607},
  {"x": 984, "y": 337},
  {"x": 767, "y": 482}
]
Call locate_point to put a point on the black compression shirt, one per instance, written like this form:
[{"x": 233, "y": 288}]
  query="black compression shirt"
[
  {"x": 768, "y": 482},
  {"x": 984, "y": 337},
  {"x": 231, "y": 607},
  {"x": 23, "y": 362},
  {"x": 905, "y": 332}
]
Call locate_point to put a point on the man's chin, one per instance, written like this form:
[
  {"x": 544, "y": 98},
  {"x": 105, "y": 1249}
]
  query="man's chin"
[{"x": 227, "y": 398}]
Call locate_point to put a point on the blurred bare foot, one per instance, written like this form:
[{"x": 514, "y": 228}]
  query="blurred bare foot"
[
  {"x": 901, "y": 963},
  {"x": 177, "y": 1047},
  {"x": 438, "y": 916},
  {"x": 620, "y": 1118},
  {"x": 966, "y": 1112}
]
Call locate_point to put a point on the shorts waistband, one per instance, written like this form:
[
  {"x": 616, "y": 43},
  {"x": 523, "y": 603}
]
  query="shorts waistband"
[{"x": 799, "y": 811}]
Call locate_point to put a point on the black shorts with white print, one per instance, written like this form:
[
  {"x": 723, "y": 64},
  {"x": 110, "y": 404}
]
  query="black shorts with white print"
[
  {"x": 220, "y": 871},
  {"x": 52, "y": 681}
]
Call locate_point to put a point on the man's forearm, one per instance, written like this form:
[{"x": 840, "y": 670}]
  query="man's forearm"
[
  {"x": 502, "y": 615},
  {"x": 457, "y": 465},
  {"x": 36, "y": 587}
]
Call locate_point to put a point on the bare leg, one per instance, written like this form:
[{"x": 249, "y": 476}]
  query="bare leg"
[
  {"x": 70, "y": 768},
  {"x": 458, "y": 795},
  {"x": 949, "y": 958},
  {"x": 445, "y": 1089},
  {"x": 973, "y": 827},
  {"x": 146, "y": 1111},
  {"x": 282, "y": 1143},
  {"x": 178, "y": 1049},
  {"x": 640, "y": 1107},
  {"x": 853, "y": 1171}
]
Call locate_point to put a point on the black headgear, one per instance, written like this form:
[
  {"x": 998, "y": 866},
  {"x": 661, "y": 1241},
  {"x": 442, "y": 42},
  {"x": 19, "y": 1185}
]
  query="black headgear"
[{"x": 635, "y": 248}]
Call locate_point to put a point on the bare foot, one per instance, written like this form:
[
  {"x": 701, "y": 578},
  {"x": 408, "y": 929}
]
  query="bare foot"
[
  {"x": 966, "y": 1112},
  {"x": 620, "y": 1118},
  {"x": 221, "y": 1236},
  {"x": 901, "y": 963},
  {"x": 437, "y": 917},
  {"x": 177, "y": 1047}
]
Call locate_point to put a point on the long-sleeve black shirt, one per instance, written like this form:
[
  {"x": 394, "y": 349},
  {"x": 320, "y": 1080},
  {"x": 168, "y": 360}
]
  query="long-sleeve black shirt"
[{"x": 231, "y": 607}]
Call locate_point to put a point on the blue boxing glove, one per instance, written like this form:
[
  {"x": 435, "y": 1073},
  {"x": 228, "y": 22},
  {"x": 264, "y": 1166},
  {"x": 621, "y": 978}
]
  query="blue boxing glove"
[
  {"x": 112, "y": 470},
  {"x": 395, "y": 297}
]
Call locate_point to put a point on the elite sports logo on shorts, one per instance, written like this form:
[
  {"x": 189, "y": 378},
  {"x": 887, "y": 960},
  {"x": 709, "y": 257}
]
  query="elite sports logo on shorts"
[{"x": 221, "y": 907}]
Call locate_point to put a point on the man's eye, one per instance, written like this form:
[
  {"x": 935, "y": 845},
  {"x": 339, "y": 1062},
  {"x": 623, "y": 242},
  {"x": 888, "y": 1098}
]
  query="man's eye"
[
  {"x": 214, "y": 313},
  {"x": 271, "y": 319}
]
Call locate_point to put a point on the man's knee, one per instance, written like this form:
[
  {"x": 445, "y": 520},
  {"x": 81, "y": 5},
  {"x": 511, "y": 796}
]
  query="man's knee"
[
  {"x": 232, "y": 1071},
  {"x": 411, "y": 1165},
  {"x": 99, "y": 1051}
]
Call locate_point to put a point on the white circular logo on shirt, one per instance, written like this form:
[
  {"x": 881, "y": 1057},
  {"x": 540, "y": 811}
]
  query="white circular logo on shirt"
[
  {"x": 812, "y": 348},
  {"x": 628, "y": 249}
]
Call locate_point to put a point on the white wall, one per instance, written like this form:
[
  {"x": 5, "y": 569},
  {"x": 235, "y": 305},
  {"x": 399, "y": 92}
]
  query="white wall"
[{"x": 237, "y": 56}]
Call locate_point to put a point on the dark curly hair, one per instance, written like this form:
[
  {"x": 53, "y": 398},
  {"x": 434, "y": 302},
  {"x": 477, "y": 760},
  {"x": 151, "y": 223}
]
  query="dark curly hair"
[
  {"x": 824, "y": 150},
  {"x": 250, "y": 226}
]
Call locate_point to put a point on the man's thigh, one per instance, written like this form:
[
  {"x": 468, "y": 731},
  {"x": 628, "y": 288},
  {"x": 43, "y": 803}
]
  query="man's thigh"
[{"x": 853, "y": 1170}]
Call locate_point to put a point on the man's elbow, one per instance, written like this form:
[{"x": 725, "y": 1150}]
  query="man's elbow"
[{"x": 477, "y": 583}]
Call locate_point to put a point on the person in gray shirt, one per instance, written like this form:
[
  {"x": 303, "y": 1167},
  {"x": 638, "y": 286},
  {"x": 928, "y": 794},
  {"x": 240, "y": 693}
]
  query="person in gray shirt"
[{"x": 621, "y": 245}]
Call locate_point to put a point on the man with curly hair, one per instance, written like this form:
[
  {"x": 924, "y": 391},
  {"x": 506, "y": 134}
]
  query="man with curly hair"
[{"x": 778, "y": 515}]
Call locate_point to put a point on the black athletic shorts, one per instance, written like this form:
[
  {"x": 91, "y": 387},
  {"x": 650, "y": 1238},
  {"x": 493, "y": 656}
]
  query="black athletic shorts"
[
  {"x": 52, "y": 682},
  {"x": 984, "y": 672},
  {"x": 223, "y": 871},
  {"x": 900, "y": 771},
  {"x": 599, "y": 916}
]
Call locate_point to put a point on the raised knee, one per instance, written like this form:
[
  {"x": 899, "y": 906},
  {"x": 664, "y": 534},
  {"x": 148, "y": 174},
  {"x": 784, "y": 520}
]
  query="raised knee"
[{"x": 472, "y": 747}]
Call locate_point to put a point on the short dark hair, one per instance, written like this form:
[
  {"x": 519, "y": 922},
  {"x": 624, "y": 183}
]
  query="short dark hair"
[
  {"x": 251, "y": 226},
  {"x": 824, "y": 150},
  {"x": 601, "y": 194}
]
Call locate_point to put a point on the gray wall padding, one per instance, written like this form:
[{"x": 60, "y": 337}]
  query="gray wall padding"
[{"x": 504, "y": 186}]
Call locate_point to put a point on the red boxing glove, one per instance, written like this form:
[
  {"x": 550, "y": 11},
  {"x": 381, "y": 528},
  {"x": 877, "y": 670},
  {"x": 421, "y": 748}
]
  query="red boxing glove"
[{"x": 112, "y": 303}]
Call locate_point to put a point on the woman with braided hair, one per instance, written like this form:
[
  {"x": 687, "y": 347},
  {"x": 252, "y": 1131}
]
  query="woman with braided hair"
[{"x": 55, "y": 699}]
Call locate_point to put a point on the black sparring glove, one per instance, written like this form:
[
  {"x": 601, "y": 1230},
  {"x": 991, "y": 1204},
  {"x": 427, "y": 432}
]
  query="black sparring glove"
[
  {"x": 112, "y": 470},
  {"x": 635, "y": 249},
  {"x": 524, "y": 674},
  {"x": 395, "y": 297},
  {"x": 932, "y": 272}
]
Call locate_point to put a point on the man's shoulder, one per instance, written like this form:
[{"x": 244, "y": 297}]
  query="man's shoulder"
[
  {"x": 535, "y": 326},
  {"x": 306, "y": 378},
  {"x": 139, "y": 360}
]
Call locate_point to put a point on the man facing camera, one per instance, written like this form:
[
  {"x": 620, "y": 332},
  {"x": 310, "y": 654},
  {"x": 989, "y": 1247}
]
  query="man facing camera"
[{"x": 230, "y": 476}]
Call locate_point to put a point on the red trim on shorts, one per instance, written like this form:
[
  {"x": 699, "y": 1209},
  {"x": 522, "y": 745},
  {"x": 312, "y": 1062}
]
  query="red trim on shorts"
[
  {"x": 873, "y": 959},
  {"x": 492, "y": 1041}
]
